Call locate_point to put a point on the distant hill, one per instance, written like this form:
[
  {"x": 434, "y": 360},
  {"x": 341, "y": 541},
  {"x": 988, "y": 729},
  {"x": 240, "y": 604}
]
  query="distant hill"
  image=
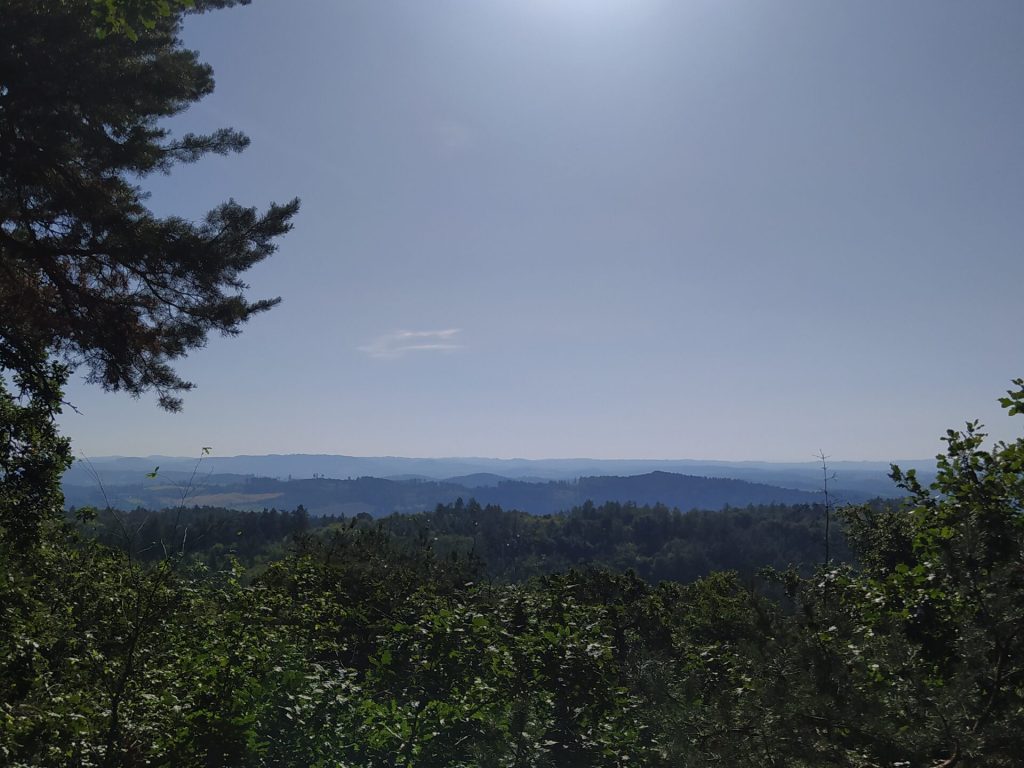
[
  {"x": 379, "y": 496},
  {"x": 689, "y": 492},
  {"x": 483, "y": 479},
  {"x": 854, "y": 480}
]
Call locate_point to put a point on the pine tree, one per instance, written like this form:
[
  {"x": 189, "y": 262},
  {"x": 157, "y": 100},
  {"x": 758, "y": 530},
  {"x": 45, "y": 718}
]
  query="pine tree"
[{"x": 88, "y": 274}]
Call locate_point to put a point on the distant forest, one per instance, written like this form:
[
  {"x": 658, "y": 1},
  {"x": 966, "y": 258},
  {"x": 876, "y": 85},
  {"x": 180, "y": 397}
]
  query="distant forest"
[{"x": 654, "y": 541}]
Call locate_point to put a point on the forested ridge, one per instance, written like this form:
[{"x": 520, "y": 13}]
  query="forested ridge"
[{"x": 381, "y": 496}]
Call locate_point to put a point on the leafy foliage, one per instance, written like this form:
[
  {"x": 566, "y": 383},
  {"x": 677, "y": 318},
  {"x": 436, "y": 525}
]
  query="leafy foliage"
[
  {"x": 129, "y": 17},
  {"x": 372, "y": 645},
  {"x": 920, "y": 651}
]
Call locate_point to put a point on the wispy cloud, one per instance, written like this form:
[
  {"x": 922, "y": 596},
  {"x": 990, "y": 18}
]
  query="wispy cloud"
[{"x": 403, "y": 342}]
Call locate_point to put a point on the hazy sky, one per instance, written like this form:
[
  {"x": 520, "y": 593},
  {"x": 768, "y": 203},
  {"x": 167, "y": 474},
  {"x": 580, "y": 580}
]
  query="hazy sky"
[{"x": 608, "y": 228}]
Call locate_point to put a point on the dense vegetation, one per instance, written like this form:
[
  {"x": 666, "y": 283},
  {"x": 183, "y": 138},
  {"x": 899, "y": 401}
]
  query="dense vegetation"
[{"x": 360, "y": 648}]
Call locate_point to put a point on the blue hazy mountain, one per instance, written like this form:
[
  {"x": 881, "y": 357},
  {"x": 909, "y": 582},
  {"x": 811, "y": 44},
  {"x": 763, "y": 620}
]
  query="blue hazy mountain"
[
  {"x": 853, "y": 480},
  {"x": 124, "y": 482}
]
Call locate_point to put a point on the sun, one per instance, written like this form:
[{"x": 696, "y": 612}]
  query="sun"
[{"x": 587, "y": 12}]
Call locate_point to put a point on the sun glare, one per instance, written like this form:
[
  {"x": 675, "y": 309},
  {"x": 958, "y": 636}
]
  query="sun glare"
[{"x": 585, "y": 13}]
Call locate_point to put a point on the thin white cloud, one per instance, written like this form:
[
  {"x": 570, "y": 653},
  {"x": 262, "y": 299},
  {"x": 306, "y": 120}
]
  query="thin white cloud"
[{"x": 403, "y": 342}]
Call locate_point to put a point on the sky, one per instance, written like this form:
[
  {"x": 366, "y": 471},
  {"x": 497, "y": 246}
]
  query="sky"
[{"x": 607, "y": 228}]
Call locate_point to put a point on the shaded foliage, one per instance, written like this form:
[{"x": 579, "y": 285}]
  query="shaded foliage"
[{"x": 33, "y": 455}]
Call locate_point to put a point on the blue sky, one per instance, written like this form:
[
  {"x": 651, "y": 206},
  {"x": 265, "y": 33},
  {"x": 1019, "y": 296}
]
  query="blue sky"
[{"x": 608, "y": 228}]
